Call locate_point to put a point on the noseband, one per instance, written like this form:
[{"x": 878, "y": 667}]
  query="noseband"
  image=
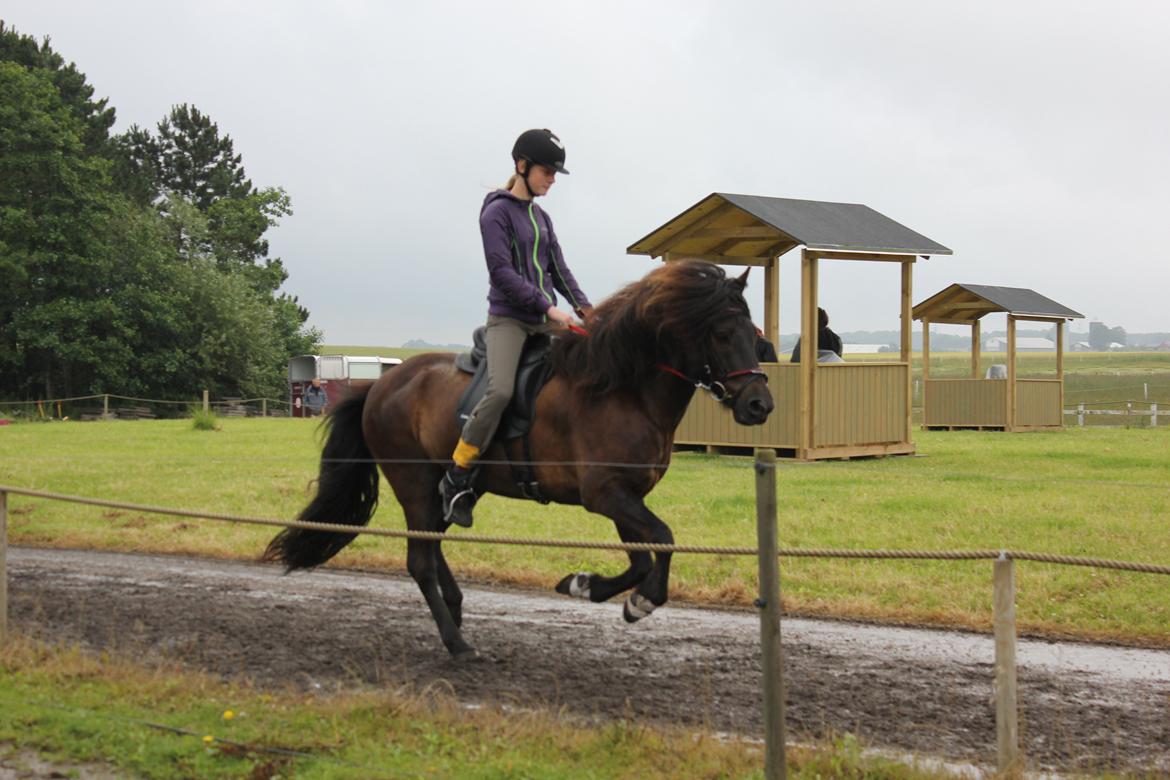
[{"x": 717, "y": 386}]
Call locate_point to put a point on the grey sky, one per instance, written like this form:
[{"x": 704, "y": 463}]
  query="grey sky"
[{"x": 1030, "y": 137}]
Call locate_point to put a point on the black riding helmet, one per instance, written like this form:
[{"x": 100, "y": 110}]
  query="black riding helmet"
[{"x": 541, "y": 147}]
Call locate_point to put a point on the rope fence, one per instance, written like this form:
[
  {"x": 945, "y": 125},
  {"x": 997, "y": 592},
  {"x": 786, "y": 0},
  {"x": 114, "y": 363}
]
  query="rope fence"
[
  {"x": 581, "y": 544},
  {"x": 1009, "y": 755}
]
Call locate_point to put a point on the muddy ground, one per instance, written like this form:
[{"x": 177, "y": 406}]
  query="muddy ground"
[{"x": 926, "y": 692}]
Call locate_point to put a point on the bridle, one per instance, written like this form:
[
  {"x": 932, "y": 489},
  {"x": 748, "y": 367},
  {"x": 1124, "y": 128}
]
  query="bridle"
[{"x": 717, "y": 386}]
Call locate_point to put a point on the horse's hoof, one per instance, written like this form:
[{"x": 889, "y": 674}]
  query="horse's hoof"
[
  {"x": 468, "y": 656},
  {"x": 575, "y": 585},
  {"x": 637, "y": 607}
]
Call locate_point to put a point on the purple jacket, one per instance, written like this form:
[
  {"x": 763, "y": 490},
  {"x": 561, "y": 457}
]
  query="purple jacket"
[{"x": 524, "y": 259}]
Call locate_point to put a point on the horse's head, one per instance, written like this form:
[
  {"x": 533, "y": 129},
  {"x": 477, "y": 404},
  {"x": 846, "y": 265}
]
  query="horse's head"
[
  {"x": 735, "y": 378},
  {"x": 705, "y": 329}
]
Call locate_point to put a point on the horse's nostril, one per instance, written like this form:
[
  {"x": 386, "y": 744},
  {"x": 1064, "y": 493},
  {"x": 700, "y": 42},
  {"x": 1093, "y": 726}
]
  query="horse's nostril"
[{"x": 757, "y": 406}]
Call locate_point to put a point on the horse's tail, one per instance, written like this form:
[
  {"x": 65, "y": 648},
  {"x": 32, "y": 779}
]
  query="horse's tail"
[{"x": 347, "y": 492}]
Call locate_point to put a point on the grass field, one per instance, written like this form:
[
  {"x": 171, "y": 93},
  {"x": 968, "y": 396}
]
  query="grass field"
[
  {"x": 134, "y": 721},
  {"x": 1086, "y": 492}
]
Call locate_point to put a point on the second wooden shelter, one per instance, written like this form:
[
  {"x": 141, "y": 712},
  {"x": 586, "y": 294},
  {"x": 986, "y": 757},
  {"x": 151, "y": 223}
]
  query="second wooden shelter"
[
  {"x": 827, "y": 411},
  {"x": 1006, "y": 403}
]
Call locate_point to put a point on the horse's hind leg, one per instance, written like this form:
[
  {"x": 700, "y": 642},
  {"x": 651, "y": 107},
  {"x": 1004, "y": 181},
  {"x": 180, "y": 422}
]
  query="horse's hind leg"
[
  {"x": 419, "y": 497},
  {"x": 422, "y": 563},
  {"x": 452, "y": 595}
]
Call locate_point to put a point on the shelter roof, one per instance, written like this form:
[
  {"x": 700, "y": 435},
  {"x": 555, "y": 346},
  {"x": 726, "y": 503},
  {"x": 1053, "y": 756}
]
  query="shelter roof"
[
  {"x": 750, "y": 226},
  {"x": 965, "y": 303}
]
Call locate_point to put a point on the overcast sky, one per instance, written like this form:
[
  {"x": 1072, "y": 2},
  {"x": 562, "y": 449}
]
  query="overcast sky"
[{"x": 1032, "y": 138}]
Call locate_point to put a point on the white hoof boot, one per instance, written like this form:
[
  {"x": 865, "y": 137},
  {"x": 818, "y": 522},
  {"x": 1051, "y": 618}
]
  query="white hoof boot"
[
  {"x": 579, "y": 586},
  {"x": 637, "y": 607}
]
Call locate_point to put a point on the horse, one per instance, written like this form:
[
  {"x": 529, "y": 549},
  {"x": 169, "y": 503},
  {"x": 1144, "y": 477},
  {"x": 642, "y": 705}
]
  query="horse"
[{"x": 601, "y": 436}]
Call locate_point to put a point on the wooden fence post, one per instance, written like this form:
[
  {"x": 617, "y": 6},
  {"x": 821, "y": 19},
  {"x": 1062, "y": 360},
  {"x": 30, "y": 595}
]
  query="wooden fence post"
[
  {"x": 1153, "y": 415},
  {"x": 3, "y": 565},
  {"x": 263, "y": 407},
  {"x": 772, "y": 659},
  {"x": 106, "y": 406},
  {"x": 1129, "y": 414},
  {"x": 1081, "y": 415},
  {"x": 205, "y": 401},
  {"x": 1007, "y": 730}
]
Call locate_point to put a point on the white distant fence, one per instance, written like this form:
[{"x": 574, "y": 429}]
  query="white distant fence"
[{"x": 1129, "y": 413}]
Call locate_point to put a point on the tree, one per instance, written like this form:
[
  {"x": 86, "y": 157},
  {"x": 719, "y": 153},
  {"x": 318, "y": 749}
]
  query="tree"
[
  {"x": 134, "y": 264},
  {"x": 195, "y": 161},
  {"x": 75, "y": 92},
  {"x": 54, "y": 219}
]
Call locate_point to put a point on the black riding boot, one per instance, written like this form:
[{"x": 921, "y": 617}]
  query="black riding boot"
[{"x": 458, "y": 495}]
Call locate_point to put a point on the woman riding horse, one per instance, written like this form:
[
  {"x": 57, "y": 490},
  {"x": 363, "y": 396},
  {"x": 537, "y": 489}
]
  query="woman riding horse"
[
  {"x": 525, "y": 265},
  {"x": 611, "y": 406}
]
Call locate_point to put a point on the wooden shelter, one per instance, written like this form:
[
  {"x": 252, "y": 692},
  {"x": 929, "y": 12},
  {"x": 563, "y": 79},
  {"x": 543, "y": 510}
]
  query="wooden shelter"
[
  {"x": 1008, "y": 403},
  {"x": 822, "y": 411}
]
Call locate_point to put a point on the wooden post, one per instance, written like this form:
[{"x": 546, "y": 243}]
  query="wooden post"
[
  {"x": 1080, "y": 415},
  {"x": 206, "y": 404},
  {"x": 772, "y": 302},
  {"x": 263, "y": 407},
  {"x": 1011, "y": 372},
  {"x": 1007, "y": 729},
  {"x": 1153, "y": 415},
  {"x": 3, "y": 565},
  {"x": 907, "y": 344},
  {"x": 1060, "y": 366},
  {"x": 772, "y": 659},
  {"x": 808, "y": 352},
  {"x": 1129, "y": 414},
  {"x": 106, "y": 406},
  {"x": 925, "y": 366},
  {"x": 975, "y": 349}
]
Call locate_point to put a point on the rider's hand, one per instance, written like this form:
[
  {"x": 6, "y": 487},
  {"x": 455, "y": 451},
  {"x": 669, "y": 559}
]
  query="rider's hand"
[{"x": 563, "y": 317}]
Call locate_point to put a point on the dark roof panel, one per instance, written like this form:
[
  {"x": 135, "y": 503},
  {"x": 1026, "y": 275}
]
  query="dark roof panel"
[
  {"x": 845, "y": 226},
  {"x": 816, "y": 224},
  {"x": 1013, "y": 300}
]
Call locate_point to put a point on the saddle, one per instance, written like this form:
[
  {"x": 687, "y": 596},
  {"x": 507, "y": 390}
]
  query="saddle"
[{"x": 531, "y": 376}]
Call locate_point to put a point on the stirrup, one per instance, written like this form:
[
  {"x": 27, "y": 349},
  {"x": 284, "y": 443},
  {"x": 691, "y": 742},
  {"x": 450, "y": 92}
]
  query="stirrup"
[{"x": 457, "y": 500}]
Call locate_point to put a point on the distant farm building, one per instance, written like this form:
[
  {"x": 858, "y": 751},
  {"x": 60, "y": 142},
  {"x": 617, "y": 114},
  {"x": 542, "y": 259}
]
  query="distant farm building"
[{"x": 1000, "y": 344}]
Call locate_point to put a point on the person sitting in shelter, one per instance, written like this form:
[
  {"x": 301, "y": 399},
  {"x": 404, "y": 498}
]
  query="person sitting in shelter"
[
  {"x": 829, "y": 346},
  {"x": 765, "y": 350},
  {"x": 315, "y": 399}
]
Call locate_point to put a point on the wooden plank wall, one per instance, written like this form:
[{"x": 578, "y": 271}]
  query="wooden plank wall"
[
  {"x": 1038, "y": 402},
  {"x": 709, "y": 422},
  {"x": 966, "y": 402},
  {"x": 859, "y": 403}
]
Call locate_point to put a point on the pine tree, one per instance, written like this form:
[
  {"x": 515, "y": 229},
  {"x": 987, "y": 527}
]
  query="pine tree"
[{"x": 196, "y": 162}]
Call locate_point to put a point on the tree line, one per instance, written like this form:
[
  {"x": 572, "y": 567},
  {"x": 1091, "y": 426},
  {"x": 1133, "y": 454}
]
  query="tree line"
[{"x": 133, "y": 263}]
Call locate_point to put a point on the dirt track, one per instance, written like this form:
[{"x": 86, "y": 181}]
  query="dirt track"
[{"x": 922, "y": 691}]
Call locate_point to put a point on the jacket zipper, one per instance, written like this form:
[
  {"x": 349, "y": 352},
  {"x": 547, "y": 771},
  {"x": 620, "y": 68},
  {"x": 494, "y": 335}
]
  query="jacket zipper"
[{"x": 536, "y": 259}]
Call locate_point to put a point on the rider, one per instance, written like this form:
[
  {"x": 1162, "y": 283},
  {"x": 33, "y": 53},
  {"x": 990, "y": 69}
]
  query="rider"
[{"x": 525, "y": 265}]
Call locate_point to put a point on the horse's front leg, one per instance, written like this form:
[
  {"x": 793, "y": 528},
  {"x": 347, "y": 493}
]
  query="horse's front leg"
[
  {"x": 635, "y": 523},
  {"x": 596, "y": 587}
]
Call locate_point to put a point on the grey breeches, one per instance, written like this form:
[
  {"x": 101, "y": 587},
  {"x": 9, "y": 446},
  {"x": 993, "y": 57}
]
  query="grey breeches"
[{"x": 505, "y": 341}]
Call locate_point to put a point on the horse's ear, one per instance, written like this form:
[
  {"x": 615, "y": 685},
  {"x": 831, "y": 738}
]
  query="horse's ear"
[{"x": 741, "y": 280}]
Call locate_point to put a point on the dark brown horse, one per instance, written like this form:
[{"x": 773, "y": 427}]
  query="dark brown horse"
[{"x": 615, "y": 397}]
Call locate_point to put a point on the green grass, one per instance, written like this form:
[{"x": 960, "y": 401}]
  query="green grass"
[
  {"x": 1086, "y": 492},
  {"x": 70, "y": 706}
]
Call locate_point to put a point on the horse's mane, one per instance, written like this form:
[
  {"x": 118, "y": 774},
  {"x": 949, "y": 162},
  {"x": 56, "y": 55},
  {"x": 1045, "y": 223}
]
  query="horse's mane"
[{"x": 669, "y": 310}]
